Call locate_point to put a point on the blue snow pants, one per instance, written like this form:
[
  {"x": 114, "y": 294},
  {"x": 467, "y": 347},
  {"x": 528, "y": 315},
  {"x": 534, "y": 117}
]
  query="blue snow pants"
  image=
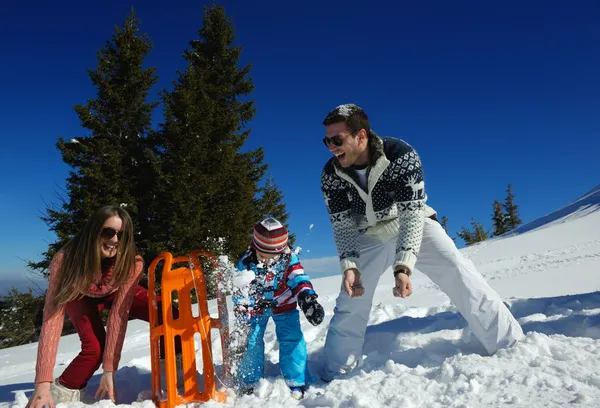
[{"x": 292, "y": 351}]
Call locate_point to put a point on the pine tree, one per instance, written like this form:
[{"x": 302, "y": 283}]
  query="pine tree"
[
  {"x": 466, "y": 235},
  {"x": 113, "y": 164},
  {"x": 444, "y": 223},
  {"x": 512, "y": 210},
  {"x": 477, "y": 234},
  {"x": 499, "y": 219},
  {"x": 20, "y": 318},
  {"x": 270, "y": 203},
  {"x": 209, "y": 194}
]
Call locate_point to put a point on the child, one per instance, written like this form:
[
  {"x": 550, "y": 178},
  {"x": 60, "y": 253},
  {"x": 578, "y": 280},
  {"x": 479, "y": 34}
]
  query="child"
[{"x": 279, "y": 284}]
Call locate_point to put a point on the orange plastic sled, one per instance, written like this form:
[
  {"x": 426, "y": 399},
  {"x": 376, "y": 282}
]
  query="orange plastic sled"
[{"x": 167, "y": 325}]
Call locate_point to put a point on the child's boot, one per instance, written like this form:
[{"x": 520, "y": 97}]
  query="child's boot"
[
  {"x": 298, "y": 392},
  {"x": 246, "y": 391}
]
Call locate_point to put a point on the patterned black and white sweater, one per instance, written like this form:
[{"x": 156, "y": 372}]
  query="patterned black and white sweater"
[{"x": 393, "y": 206}]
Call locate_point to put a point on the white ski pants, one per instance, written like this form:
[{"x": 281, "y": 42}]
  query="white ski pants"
[{"x": 488, "y": 317}]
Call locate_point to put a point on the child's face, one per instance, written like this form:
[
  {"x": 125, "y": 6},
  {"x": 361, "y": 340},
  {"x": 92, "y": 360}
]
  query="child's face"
[{"x": 264, "y": 257}]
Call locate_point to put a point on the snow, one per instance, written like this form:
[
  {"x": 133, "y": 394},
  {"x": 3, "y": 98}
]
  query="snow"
[
  {"x": 586, "y": 204},
  {"x": 241, "y": 282},
  {"x": 346, "y": 109},
  {"x": 418, "y": 351}
]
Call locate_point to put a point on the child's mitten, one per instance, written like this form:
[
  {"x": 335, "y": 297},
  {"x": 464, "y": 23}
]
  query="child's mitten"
[{"x": 312, "y": 309}]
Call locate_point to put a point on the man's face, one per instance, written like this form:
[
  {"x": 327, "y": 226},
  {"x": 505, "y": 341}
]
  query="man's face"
[{"x": 352, "y": 146}]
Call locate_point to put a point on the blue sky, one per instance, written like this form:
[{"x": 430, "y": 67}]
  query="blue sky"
[{"x": 488, "y": 94}]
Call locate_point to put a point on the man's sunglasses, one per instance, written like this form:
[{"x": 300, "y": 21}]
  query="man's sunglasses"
[
  {"x": 337, "y": 140},
  {"x": 108, "y": 233}
]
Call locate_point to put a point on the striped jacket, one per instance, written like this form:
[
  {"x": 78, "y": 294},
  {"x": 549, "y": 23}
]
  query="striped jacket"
[{"x": 275, "y": 288}]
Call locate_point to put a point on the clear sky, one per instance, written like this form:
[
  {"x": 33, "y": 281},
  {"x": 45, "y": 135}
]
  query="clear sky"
[{"x": 488, "y": 94}]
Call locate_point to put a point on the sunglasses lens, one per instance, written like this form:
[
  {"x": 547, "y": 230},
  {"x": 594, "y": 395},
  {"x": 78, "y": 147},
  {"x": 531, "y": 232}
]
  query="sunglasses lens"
[
  {"x": 336, "y": 140},
  {"x": 108, "y": 233}
]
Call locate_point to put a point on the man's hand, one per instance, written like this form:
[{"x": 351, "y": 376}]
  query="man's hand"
[
  {"x": 352, "y": 284},
  {"x": 41, "y": 397},
  {"x": 107, "y": 387},
  {"x": 403, "y": 286}
]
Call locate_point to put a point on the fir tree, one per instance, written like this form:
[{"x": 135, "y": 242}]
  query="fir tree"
[
  {"x": 466, "y": 235},
  {"x": 499, "y": 219},
  {"x": 477, "y": 234},
  {"x": 20, "y": 318},
  {"x": 270, "y": 203},
  {"x": 444, "y": 223},
  {"x": 210, "y": 196},
  {"x": 113, "y": 164},
  {"x": 512, "y": 210}
]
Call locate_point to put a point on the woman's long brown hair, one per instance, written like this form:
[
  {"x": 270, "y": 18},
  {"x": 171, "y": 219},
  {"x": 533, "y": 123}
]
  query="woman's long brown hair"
[{"x": 81, "y": 263}]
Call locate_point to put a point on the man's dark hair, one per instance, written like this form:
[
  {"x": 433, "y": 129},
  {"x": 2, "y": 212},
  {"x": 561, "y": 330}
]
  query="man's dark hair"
[{"x": 354, "y": 117}]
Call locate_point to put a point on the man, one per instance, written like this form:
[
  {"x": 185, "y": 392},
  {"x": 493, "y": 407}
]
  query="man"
[{"x": 374, "y": 190}]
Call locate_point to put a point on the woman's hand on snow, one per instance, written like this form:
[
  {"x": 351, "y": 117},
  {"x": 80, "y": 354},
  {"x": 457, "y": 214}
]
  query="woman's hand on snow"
[
  {"x": 107, "y": 387},
  {"x": 41, "y": 397}
]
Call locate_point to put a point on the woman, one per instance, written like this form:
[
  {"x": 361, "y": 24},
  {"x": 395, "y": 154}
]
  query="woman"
[{"x": 98, "y": 268}]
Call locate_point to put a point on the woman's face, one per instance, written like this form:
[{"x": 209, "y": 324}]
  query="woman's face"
[{"x": 109, "y": 236}]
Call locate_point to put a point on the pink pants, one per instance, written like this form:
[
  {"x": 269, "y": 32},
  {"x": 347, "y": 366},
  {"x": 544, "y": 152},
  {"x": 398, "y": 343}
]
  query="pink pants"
[{"x": 85, "y": 315}]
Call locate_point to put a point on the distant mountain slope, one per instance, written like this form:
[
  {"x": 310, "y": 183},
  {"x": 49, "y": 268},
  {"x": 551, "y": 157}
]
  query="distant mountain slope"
[{"x": 585, "y": 205}]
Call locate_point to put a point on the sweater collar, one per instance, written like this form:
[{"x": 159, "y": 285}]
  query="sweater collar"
[{"x": 375, "y": 153}]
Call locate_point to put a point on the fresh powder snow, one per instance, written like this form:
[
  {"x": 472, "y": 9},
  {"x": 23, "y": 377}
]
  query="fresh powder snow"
[{"x": 418, "y": 351}]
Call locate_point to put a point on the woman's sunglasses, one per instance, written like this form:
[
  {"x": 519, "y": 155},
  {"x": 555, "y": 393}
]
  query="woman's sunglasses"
[
  {"x": 108, "y": 233},
  {"x": 337, "y": 140}
]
